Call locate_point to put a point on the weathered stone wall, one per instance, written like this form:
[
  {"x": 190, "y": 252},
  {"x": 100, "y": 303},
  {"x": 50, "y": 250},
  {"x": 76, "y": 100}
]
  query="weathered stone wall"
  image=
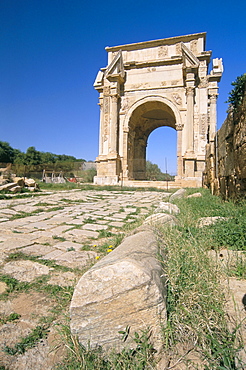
[{"x": 225, "y": 171}]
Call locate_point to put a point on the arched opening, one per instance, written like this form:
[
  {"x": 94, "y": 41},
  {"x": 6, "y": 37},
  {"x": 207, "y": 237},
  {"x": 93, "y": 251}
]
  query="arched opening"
[
  {"x": 162, "y": 149},
  {"x": 146, "y": 118}
]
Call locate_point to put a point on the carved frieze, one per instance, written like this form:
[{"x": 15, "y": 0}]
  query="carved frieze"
[{"x": 163, "y": 51}]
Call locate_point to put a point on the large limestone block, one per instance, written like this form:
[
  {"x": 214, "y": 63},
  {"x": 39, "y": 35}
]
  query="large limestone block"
[
  {"x": 168, "y": 207},
  {"x": 19, "y": 181},
  {"x": 177, "y": 195},
  {"x": 161, "y": 219},
  {"x": 8, "y": 186},
  {"x": 125, "y": 288}
]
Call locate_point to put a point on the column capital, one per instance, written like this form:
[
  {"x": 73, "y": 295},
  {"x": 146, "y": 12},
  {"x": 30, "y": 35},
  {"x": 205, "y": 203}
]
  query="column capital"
[
  {"x": 190, "y": 90},
  {"x": 115, "y": 98},
  {"x": 213, "y": 97},
  {"x": 179, "y": 126}
]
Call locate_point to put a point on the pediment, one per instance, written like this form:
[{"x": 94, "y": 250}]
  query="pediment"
[
  {"x": 115, "y": 70},
  {"x": 190, "y": 60}
]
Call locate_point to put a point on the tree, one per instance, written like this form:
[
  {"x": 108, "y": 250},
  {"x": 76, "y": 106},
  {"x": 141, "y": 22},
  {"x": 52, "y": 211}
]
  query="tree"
[
  {"x": 33, "y": 156},
  {"x": 7, "y": 153},
  {"x": 236, "y": 95},
  {"x": 153, "y": 173}
]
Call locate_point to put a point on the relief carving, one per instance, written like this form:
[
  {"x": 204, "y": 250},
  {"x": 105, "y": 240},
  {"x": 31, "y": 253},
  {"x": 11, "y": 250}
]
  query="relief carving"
[
  {"x": 177, "y": 98},
  {"x": 163, "y": 51},
  {"x": 124, "y": 104},
  {"x": 174, "y": 82},
  {"x": 179, "y": 126},
  {"x": 106, "y": 90},
  {"x": 105, "y": 128},
  {"x": 193, "y": 46},
  {"x": 189, "y": 90},
  {"x": 203, "y": 125},
  {"x": 178, "y": 49},
  {"x": 203, "y": 82},
  {"x": 106, "y": 105}
]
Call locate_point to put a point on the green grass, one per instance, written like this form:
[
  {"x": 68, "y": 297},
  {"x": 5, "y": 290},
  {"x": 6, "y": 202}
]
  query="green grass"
[
  {"x": 39, "y": 332},
  {"x": 86, "y": 358},
  {"x": 12, "y": 317},
  {"x": 195, "y": 301}
]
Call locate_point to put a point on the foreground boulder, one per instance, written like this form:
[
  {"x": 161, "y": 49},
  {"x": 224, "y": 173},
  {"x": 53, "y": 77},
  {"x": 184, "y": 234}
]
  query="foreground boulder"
[{"x": 125, "y": 288}]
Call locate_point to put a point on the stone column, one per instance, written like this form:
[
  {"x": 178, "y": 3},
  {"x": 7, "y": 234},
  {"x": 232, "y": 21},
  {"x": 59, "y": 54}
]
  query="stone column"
[
  {"x": 101, "y": 126},
  {"x": 113, "y": 124},
  {"x": 179, "y": 128},
  {"x": 213, "y": 116},
  {"x": 190, "y": 119}
]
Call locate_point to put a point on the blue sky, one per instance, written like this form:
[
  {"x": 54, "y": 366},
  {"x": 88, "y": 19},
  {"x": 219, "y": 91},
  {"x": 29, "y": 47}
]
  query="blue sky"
[{"x": 51, "y": 51}]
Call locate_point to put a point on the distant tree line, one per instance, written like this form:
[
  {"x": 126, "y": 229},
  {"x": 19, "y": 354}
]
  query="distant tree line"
[
  {"x": 32, "y": 156},
  {"x": 33, "y": 162},
  {"x": 153, "y": 173}
]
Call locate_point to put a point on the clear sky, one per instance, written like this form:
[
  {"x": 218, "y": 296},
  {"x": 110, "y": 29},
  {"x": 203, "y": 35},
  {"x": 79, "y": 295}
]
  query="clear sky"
[{"x": 51, "y": 51}]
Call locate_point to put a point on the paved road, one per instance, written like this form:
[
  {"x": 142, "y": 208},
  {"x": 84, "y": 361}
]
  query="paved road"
[{"x": 65, "y": 226}]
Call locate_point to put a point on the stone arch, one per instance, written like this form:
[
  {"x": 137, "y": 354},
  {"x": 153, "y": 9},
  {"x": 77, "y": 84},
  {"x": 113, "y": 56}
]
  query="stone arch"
[
  {"x": 151, "y": 84},
  {"x": 144, "y": 117}
]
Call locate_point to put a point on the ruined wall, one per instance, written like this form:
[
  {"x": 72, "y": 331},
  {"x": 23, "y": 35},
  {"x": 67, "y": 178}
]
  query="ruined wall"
[{"x": 225, "y": 172}]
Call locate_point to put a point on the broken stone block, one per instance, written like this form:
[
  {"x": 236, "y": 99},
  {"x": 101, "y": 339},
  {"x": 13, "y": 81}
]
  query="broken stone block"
[
  {"x": 30, "y": 183},
  {"x": 177, "y": 195},
  {"x": 162, "y": 219},
  {"x": 168, "y": 207},
  {"x": 8, "y": 186},
  {"x": 206, "y": 221},
  {"x": 16, "y": 189},
  {"x": 195, "y": 195},
  {"x": 125, "y": 288},
  {"x": 19, "y": 181}
]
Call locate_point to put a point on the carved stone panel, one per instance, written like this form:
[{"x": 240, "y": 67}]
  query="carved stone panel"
[{"x": 163, "y": 51}]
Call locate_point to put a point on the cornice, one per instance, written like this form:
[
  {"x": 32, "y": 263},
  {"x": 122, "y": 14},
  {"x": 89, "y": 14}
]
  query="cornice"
[{"x": 159, "y": 42}]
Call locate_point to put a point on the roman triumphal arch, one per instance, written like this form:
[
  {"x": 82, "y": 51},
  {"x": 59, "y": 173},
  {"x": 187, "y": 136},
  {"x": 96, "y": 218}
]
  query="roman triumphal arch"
[{"x": 151, "y": 84}]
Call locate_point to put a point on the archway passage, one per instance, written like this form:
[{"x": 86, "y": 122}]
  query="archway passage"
[
  {"x": 144, "y": 120},
  {"x": 162, "y": 150}
]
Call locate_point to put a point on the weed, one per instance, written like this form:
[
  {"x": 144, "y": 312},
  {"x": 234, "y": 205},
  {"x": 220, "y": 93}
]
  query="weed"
[
  {"x": 27, "y": 342},
  {"x": 49, "y": 263},
  {"x": 105, "y": 234},
  {"x": 12, "y": 317},
  {"x": 60, "y": 238},
  {"x": 90, "y": 220},
  {"x": 86, "y": 358}
]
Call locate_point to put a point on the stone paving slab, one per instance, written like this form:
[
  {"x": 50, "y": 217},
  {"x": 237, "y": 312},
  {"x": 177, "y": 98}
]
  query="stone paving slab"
[
  {"x": 94, "y": 227},
  {"x": 117, "y": 224},
  {"x": 82, "y": 233},
  {"x": 37, "y": 250}
]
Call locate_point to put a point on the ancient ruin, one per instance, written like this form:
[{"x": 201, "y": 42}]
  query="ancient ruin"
[{"x": 151, "y": 84}]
